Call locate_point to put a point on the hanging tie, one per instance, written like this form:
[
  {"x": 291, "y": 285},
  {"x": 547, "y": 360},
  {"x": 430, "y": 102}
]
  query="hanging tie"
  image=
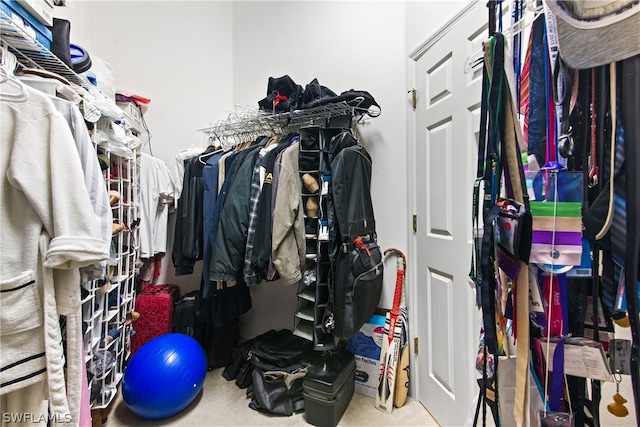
[
  {"x": 556, "y": 400},
  {"x": 524, "y": 90}
]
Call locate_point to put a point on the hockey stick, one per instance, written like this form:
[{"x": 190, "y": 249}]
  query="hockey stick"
[{"x": 391, "y": 343}]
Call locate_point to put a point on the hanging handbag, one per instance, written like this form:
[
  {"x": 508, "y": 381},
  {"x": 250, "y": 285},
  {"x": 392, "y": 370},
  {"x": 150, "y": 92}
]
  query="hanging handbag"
[
  {"x": 511, "y": 221},
  {"x": 357, "y": 286},
  {"x": 557, "y": 220}
]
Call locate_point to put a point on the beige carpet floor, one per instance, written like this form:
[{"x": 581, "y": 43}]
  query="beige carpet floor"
[{"x": 222, "y": 403}]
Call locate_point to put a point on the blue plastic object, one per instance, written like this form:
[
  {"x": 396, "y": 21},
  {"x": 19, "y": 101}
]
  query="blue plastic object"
[
  {"x": 77, "y": 53},
  {"x": 164, "y": 376},
  {"x": 91, "y": 76},
  {"x": 80, "y": 59}
]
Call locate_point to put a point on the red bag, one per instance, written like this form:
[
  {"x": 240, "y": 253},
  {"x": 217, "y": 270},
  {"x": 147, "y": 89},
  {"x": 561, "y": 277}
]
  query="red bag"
[{"x": 155, "y": 304}]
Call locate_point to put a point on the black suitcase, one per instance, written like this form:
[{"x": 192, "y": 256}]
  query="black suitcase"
[
  {"x": 328, "y": 388},
  {"x": 185, "y": 319}
]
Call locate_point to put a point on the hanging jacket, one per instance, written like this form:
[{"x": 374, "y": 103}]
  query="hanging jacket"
[
  {"x": 350, "y": 194},
  {"x": 257, "y": 262},
  {"x": 188, "y": 237},
  {"x": 229, "y": 248},
  {"x": 210, "y": 197},
  {"x": 288, "y": 242}
]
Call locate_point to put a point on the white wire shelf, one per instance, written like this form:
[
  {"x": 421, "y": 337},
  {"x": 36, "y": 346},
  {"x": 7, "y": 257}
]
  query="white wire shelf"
[{"x": 32, "y": 54}]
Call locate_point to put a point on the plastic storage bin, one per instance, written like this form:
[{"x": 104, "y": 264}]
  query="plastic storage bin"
[{"x": 328, "y": 388}]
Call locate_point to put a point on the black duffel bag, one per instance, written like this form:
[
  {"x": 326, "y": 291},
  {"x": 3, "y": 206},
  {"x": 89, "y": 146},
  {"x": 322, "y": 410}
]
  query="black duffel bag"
[
  {"x": 239, "y": 367},
  {"x": 279, "y": 366}
]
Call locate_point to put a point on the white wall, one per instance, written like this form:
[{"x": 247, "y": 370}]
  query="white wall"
[
  {"x": 425, "y": 17},
  {"x": 196, "y": 60},
  {"x": 177, "y": 53},
  {"x": 345, "y": 45}
]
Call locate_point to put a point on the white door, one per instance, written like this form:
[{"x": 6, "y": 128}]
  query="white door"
[{"x": 446, "y": 121}]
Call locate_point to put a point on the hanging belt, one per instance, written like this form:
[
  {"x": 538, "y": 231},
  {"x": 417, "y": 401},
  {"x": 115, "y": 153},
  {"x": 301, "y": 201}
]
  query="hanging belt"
[
  {"x": 631, "y": 111},
  {"x": 488, "y": 172},
  {"x": 503, "y": 128}
]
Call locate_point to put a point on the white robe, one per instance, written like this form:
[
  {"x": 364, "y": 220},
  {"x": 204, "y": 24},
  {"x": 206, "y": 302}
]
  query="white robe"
[{"x": 47, "y": 228}]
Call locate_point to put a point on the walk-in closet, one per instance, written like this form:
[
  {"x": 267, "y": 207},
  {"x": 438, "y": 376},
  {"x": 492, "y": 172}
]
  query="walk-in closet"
[{"x": 329, "y": 213}]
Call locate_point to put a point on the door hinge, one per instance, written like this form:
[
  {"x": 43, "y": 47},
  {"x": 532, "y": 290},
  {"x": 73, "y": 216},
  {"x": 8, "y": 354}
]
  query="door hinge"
[
  {"x": 415, "y": 346},
  {"x": 414, "y": 98},
  {"x": 415, "y": 223}
]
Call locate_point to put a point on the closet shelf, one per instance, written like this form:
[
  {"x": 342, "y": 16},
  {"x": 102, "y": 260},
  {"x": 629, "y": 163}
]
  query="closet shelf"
[
  {"x": 110, "y": 315},
  {"x": 304, "y": 329},
  {"x": 86, "y": 299},
  {"x": 32, "y": 54},
  {"x": 256, "y": 121},
  {"x": 93, "y": 316}
]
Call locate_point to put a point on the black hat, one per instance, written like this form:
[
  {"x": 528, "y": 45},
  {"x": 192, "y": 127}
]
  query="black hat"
[
  {"x": 283, "y": 94},
  {"x": 314, "y": 93}
]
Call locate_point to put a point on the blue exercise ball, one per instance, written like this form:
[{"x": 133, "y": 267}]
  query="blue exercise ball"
[{"x": 164, "y": 376}]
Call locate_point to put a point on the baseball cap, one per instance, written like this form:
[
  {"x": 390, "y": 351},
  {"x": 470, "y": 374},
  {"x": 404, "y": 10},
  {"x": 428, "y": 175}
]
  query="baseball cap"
[{"x": 596, "y": 32}]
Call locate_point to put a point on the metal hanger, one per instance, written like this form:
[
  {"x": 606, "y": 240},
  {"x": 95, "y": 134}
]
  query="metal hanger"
[{"x": 476, "y": 58}]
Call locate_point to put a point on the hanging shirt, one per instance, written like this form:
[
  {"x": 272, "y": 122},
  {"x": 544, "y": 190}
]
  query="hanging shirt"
[
  {"x": 181, "y": 158},
  {"x": 257, "y": 180},
  {"x": 222, "y": 168},
  {"x": 156, "y": 192}
]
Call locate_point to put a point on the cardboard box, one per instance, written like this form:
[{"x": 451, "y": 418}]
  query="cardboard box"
[
  {"x": 25, "y": 10},
  {"x": 16, "y": 35},
  {"x": 129, "y": 108},
  {"x": 132, "y": 116},
  {"x": 40, "y": 9},
  {"x": 366, "y": 346}
]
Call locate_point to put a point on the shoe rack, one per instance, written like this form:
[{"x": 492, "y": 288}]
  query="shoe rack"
[
  {"x": 111, "y": 311},
  {"x": 107, "y": 304},
  {"x": 313, "y": 290}
]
